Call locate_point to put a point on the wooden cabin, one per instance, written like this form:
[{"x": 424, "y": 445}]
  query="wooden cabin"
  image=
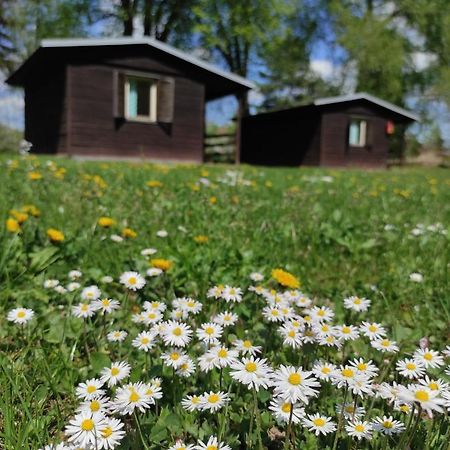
[
  {"x": 122, "y": 97},
  {"x": 344, "y": 131}
]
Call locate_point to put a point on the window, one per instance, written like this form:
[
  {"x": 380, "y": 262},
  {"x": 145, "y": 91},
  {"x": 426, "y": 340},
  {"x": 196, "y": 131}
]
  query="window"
[
  {"x": 357, "y": 133},
  {"x": 140, "y": 99}
]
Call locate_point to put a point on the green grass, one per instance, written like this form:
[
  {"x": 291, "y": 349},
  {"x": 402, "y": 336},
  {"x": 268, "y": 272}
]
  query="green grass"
[{"x": 330, "y": 234}]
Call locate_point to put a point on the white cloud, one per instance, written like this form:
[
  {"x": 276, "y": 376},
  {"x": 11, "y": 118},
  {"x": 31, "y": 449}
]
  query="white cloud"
[
  {"x": 11, "y": 105},
  {"x": 323, "y": 67},
  {"x": 422, "y": 60}
]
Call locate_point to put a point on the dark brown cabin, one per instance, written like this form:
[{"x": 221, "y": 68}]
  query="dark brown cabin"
[
  {"x": 345, "y": 131},
  {"x": 122, "y": 97}
]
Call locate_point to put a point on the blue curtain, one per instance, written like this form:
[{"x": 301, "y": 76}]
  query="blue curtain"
[{"x": 132, "y": 99}]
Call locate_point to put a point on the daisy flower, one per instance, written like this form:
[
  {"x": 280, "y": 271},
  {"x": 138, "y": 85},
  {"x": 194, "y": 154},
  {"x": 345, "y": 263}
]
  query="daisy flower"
[
  {"x": 117, "y": 336},
  {"x": 71, "y": 287},
  {"x": 349, "y": 411},
  {"x": 116, "y": 238},
  {"x": 246, "y": 346},
  {"x": 226, "y": 318},
  {"x": 74, "y": 274},
  {"x": 344, "y": 375},
  {"x": 319, "y": 424},
  {"x": 213, "y": 401},
  {"x": 329, "y": 341},
  {"x": 131, "y": 397},
  {"x": 434, "y": 385},
  {"x": 51, "y": 283},
  {"x": 322, "y": 329},
  {"x": 416, "y": 277},
  {"x": 347, "y": 332},
  {"x": 132, "y": 280},
  {"x": 387, "y": 425},
  {"x": 186, "y": 369},
  {"x": 292, "y": 383},
  {"x": 106, "y": 305},
  {"x": 231, "y": 294},
  {"x": 97, "y": 405},
  {"x": 154, "y": 272},
  {"x": 60, "y": 289},
  {"x": 177, "y": 334},
  {"x": 357, "y": 304},
  {"x": 215, "y": 291},
  {"x": 222, "y": 356},
  {"x": 107, "y": 279},
  {"x": 429, "y": 358},
  {"x": 116, "y": 373},
  {"x": 256, "y": 276},
  {"x": 410, "y": 368},
  {"x": 84, "y": 310},
  {"x": 91, "y": 293},
  {"x": 20, "y": 315},
  {"x": 90, "y": 389},
  {"x": 180, "y": 445},
  {"x": 111, "y": 433},
  {"x": 253, "y": 372},
  {"x": 366, "y": 368},
  {"x": 209, "y": 332},
  {"x": 291, "y": 336},
  {"x": 384, "y": 345},
  {"x": 174, "y": 358},
  {"x": 322, "y": 314},
  {"x": 144, "y": 341},
  {"x": 148, "y": 251},
  {"x": 281, "y": 410},
  {"x": 359, "y": 429},
  {"x": 191, "y": 403},
  {"x": 426, "y": 398},
  {"x": 192, "y": 306},
  {"x": 272, "y": 314},
  {"x": 84, "y": 429},
  {"x": 212, "y": 444},
  {"x": 372, "y": 330},
  {"x": 155, "y": 305},
  {"x": 150, "y": 317},
  {"x": 154, "y": 391},
  {"x": 162, "y": 233},
  {"x": 323, "y": 370}
]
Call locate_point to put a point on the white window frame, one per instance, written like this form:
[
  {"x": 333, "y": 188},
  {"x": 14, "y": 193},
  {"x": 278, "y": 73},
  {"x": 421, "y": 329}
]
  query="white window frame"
[
  {"x": 153, "y": 99},
  {"x": 363, "y": 126}
]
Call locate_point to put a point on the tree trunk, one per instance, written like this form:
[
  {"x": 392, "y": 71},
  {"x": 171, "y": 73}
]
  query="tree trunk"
[
  {"x": 148, "y": 17},
  {"x": 127, "y": 10},
  {"x": 242, "y": 111}
]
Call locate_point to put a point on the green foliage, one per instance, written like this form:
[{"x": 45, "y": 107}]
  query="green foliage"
[{"x": 9, "y": 139}]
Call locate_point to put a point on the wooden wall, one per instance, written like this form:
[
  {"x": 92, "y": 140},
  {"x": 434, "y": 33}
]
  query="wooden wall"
[
  {"x": 94, "y": 131},
  {"x": 335, "y": 150},
  {"x": 286, "y": 138}
]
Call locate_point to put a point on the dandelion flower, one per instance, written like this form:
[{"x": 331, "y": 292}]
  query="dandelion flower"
[
  {"x": 286, "y": 279},
  {"x": 55, "y": 235}
]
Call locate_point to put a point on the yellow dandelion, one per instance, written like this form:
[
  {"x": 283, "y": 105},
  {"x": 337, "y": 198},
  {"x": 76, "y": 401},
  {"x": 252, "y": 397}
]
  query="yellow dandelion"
[
  {"x": 12, "y": 225},
  {"x": 201, "y": 239},
  {"x": 55, "y": 235},
  {"x": 21, "y": 217},
  {"x": 34, "y": 176},
  {"x": 285, "y": 278},
  {"x": 159, "y": 263},
  {"x": 129, "y": 233},
  {"x": 31, "y": 209},
  {"x": 213, "y": 200},
  {"x": 154, "y": 183},
  {"x": 105, "y": 222}
]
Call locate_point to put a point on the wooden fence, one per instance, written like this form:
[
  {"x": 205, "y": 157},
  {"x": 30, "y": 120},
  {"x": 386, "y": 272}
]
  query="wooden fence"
[{"x": 220, "y": 148}]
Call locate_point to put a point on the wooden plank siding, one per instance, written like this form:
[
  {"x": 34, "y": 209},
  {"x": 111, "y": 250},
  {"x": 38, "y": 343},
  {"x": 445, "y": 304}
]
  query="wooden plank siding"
[{"x": 94, "y": 130}]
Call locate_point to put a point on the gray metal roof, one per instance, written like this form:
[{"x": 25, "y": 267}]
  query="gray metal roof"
[
  {"x": 369, "y": 98},
  {"x": 87, "y": 42}
]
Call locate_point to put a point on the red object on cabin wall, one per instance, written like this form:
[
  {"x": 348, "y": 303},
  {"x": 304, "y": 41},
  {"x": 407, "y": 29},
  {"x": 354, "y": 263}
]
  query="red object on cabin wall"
[{"x": 390, "y": 127}]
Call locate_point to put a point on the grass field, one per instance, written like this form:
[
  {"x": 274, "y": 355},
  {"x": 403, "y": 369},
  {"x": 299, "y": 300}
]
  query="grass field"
[{"x": 377, "y": 235}]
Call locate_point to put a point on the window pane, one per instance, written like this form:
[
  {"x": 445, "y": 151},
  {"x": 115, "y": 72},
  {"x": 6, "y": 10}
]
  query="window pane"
[
  {"x": 132, "y": 99},
  {"x": 354, "y": 135},
  {"x": 143, "y": 98}
]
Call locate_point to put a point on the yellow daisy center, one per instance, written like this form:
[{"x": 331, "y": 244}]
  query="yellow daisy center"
[
  {"x": 84, "y": 307},
  {"x": 95, "y": 405},
  {"x": 321, "y": 313},
  {"x": 87, "y": 425},
  {"x": 286, "y": 408},
  {"x": 372, "y": 328},
  {"x": 151, "y": 315},
  {"x": 191, "y": 304},
  {"x": 319, "y": 422},
  {"x": 212, "y": 447},
  {"x": 251, "y": 367},
  {"x": 346, "y": 330},
  {"x": 347, "y": 373},
  {"x": 387, "y": 424},
  {"x": 107, "y": 432},
  {"x": 422, "y": 396},
  {"x": 360, "y": 428},
  {"x": 134, "y": 397},
  {"x": 411, "y": 366},
  {"x": 433, "y": 386},
  {"x": 115, "y": 371},
  {"x": 291, "y": 334},
  {"x": 357, "y": 301},
  {"x": 326, "y": 370},
  {"x": 106, "y": 302},
  {"x": 132, "y": 280},
  {"x": 362, "y": 366},
  {"x": 213, "y": 398},
  {"x": 222, "y": 353},
  {"x": 174, "y": 356},
  {"x": 145, "y": 341},
  {"x": 177, "y": 331},
  {"x": 21, "y": 314},
  {"x": 91, "y": 389},
  {"x": 295, "y": 379},
  {"x": 428, "y": 356},
  {"x": 195, "y": 400},
  {"x": 247, "y": 344},
  {"x": 209, "y": 330},
  {"x": 385, "y": 343}
]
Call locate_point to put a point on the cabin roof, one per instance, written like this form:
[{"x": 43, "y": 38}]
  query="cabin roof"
[
  {"x": 370, "y": 98},
  {"x": 219, "y": 82}
]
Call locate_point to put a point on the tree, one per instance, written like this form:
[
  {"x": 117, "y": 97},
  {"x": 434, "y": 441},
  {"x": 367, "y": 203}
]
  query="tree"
[
  {"x": 287, "y": 76},
  {"x": 235, "y": 31}
]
